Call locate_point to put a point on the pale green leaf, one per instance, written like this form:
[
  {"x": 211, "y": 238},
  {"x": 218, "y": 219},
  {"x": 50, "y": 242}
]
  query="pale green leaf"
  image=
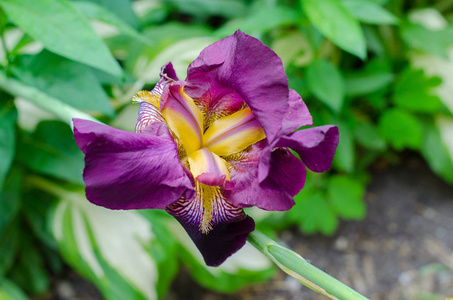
[
  {"x": 345, "y": 155},
  {"x": 326, "y": 82},
  {"x": 10, "y": 291},
  {"x": 316, "y": 215},
  {"x": 335, "y": 22},
  {"x": 63, "y": 30},
  {"x": 369, "y": 12}
]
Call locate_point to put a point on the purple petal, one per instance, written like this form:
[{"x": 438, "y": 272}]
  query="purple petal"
[
  {"x": 127, "y": 170},
  {"x": 297, "y": 114},
  {"x": 242, "y": 65},
  {"x": 287, "y": 176},
  {"x": 316, "y": 146},
  {"x": 230, "y": 227}
]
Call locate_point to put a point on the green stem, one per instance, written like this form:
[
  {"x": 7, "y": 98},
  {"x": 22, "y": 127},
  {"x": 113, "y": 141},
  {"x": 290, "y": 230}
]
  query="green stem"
[
  {"x": 294, "y": 265},
  {"x": 61, "y": 110}
]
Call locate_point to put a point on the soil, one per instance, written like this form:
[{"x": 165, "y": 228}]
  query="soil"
[{"x": 403, "y": 249}]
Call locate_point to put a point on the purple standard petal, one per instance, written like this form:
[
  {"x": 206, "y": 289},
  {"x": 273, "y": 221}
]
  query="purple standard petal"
[
  {"x": 287, "y": 177},
  {"x": 127, "y": 170},
  {"x": 297, "y": 114},
  {"x": 316, "y": 146},
  {"x": 227, "y": 230},
  {"x": 241, "y": 65}
]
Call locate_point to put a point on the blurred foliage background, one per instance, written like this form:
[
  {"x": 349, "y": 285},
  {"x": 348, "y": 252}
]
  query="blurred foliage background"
[{"x": 382, "y": 70}]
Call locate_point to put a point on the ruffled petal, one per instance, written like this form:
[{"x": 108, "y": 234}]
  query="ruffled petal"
[
  {"x": 277, "y": 191},
  {"x": 297, "y": 114},
  {"x": 316, "y": 146},
  {"x": 217, "y": 228},
  {"x": 242, "y": 65},
  {"x": 127, "y": 170},
  {"x": 150, "y": 100}
]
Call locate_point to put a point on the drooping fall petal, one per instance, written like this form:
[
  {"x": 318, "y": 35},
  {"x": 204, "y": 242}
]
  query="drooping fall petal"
[
  {"x": 316, "y": 146},
  {"x": 127, "y": 170}
]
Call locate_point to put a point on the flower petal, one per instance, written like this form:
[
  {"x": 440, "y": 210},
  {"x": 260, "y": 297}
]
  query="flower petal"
[
  {"x": 242, "y": 64},
  {"x": 183, "y": 117},
  {"x": 297, "y": 114},
  {"x": 287, "y": 175},
  {"x": 209, "y": 168},
  {"x": 150, "y": 100},
  {"x": 229, "y": 226},
  {"x": 233, "y": 133},
  {"x": 127, "y": 170},
  {"x": 316, "y": 146}
]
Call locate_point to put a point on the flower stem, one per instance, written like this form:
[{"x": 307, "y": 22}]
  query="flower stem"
[
  {"x": 294, "y": 265},
  {"x": 61, "y": 110}
]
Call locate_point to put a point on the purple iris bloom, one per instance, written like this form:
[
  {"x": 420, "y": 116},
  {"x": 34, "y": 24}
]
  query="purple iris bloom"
[{"x": 206, "y": 147}]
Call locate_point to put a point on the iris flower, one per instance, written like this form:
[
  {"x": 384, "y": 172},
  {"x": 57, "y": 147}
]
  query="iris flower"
[{"x": 207, "y": 147}]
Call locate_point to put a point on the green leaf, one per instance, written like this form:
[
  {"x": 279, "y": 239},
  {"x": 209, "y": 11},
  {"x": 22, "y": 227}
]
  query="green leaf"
[
  {"x": 29, "y": 271},
  {"x": 113, "y": 248},
  {"x": 244, "y": 267},
  {"x": 367, "y": 135},
  {"x": 95, "y": 11},
  {"x": 421, "y": 38},
  {"x": 436, "y": 153},
  {"x": 9, "y": 243},
  {"x": 345, "y": 155},
  {"x": 400, "y": 129},
  {"x": 63, "y": 30},
  {"x": 334, "y": 21},
  {"x": 314, "y": 214},
  {"x": 10, "y": 291},
  {"x": 225, "y": 8},
  {"x": 8, "y": 117},
  {"x": 261, "y": 21},
  {"x": 325, "y": 81},
  {"x": 68, "y": 81},
  {"x": 369, "y": 12},
  {"x": 52, "y": 150},
  {"x": 121, "y": 8},
  {"x": 346, "y": 197},
  {"x": 362, "y": 84},
  {"x": 10, "y": 198},
  {"x": 414, "y": 91}
]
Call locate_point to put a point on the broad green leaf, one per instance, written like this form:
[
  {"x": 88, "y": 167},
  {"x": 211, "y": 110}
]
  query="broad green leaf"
[
  {"x": 29, "y": 270},
  {"x": 326, "y": 82},
  {"x": 293, "y": 47},
  {"x": 10, "y": 198},
  {"x": 225, "y": 8},
  {"x": 432, "y": 41},
  {"x": 436, "y": 153},
  {"x": 400, "y": 129},
  {"x": 334, "y": 21},
  {"x": 345, "y": 155},
  {"x": 315, "y": 215},
  {"x": 68, "y": 81},
  {"x": 414, "y": 91},
  {"x": 121, "y": 8},
  {"x": 362, "y": 84},
  {"x": 95, "y": 11},
  {"x": 52, "y": 150},
  {"x": 113, "y": 248},
  {"x": 367, "y": 135},
  {"x": 369, "y": 12},
  {"x": 10, "y": 291},
  {"x": 261, "y": 21},
  {"x": 244, "y": 267},
  {"x": 346, "y": 197},
  {"x": 9, "y": 245},
  {"x": 8, "y": 117},
  {"x": 63, "y": 30}
]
